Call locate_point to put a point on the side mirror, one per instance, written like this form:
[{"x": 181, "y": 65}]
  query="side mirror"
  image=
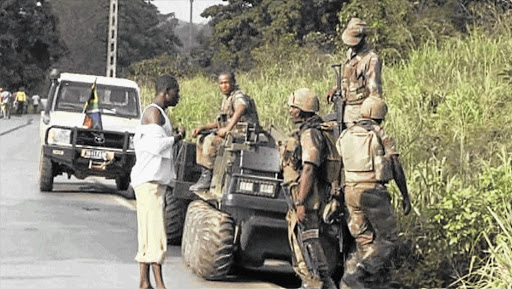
[{"x": 46, "y": 118}]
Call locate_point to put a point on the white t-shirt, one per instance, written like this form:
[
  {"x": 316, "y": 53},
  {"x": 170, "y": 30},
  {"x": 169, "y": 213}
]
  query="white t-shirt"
[
  {"x": 154, "y": 152},
  {"x": 35, "y": 99}
]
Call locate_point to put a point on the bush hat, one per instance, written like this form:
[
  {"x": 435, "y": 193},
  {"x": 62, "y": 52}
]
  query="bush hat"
[{"x": 354, "y": 32}]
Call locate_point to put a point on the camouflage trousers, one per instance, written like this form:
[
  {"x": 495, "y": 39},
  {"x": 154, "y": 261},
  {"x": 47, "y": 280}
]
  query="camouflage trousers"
[
  {"x": 206, "y": 149},
  {"x": 372, "y": 224},
  {"x": 351, "y": 114}
]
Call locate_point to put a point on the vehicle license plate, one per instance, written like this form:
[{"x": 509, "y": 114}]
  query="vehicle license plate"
[{"x": 93, "y": 154}]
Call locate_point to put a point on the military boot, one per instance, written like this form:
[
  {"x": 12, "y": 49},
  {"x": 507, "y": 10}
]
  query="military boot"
[{"x": 204, "y": 181}]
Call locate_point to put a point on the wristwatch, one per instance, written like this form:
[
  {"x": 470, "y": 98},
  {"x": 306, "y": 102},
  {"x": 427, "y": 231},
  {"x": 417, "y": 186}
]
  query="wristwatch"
[{"x": 298, "y": 203}]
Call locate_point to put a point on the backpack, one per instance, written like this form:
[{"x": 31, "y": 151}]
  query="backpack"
[{"x": 330, "y": 169}]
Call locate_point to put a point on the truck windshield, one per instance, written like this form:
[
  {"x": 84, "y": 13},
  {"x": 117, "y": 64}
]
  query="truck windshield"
[{"x": 114, "y": 100}]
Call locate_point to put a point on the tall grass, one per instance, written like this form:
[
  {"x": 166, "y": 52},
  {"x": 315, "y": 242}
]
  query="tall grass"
[{"x": 450, "y": 112}]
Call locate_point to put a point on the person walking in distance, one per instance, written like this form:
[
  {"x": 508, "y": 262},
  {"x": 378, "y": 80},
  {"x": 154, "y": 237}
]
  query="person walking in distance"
[
  {"x": 369, "y": 162},
  {"x": 152, "y": 173},
  {"x": 6, "y": 103}
]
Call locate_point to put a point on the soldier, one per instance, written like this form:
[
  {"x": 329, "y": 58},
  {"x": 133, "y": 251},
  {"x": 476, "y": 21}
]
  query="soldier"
[
  {"x": 362, "y": 71},
  {"x": 301, "y": 159},
  {"x": 370, "y": 160},
  {"x": 236, "y": 107}
]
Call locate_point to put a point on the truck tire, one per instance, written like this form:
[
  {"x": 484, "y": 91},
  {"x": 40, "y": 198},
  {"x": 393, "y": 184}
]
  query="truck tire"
[
  {"x": 194, "y": 217},
  {"x": 45, "y": 174},
  {"x": 213, "y": 257},
  {"x": 175, "y": 210},
  {"x": 122, "y": 182}
]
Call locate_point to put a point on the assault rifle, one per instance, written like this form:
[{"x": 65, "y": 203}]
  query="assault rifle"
[
  {"x": 338, "y": 98},
  {"x": 299, "y": 233}
]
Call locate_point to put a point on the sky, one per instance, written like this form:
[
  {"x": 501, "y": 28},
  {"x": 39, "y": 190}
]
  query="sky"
[{"x": 181, "y": 8}]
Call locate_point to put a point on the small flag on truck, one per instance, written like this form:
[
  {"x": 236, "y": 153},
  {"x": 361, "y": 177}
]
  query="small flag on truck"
[{"x": 92, "y": 118}]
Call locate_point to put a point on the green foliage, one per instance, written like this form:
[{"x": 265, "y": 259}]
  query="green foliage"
[
  {"x": 29, "y": 44},
  {"x": 242, "y": 26},
  {"x": 142, "y": 34}
]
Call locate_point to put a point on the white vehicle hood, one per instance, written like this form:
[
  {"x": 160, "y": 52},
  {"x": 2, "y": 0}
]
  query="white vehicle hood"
[{"x": 110, "y": 122}]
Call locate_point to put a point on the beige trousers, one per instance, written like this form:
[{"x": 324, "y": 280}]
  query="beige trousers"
[{"x": 150, "y": 223}]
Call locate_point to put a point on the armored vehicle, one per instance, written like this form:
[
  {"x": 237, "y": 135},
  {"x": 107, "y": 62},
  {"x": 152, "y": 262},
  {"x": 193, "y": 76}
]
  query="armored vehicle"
[
  {"x": 67, "y": 146},
  {"x": 240, "y": 220}
]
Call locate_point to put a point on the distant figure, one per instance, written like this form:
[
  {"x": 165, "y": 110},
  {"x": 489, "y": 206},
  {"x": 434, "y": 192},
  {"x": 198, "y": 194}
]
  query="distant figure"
[
  {"x": 6, "y": 102},
  {"x": 152, "y": 173},
  {"x": 21, "y": 101},
  {"x": 35, "y": 102}
]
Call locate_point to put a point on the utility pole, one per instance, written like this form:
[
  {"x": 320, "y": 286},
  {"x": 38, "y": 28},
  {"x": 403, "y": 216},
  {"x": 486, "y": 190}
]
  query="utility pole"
[
  {"x": 112, "y": 40},
  {"x": 190, "y": 30}
]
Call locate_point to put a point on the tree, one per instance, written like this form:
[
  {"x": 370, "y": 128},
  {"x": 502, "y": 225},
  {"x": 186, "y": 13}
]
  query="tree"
[
  {"x": 29, "y": 43},
  {"x": 244, "y": 25},
  {"x": 142, "y": 34}
]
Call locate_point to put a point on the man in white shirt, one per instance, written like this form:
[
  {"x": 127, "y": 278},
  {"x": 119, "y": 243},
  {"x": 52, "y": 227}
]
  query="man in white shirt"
[{"x": 152, "y": 173}]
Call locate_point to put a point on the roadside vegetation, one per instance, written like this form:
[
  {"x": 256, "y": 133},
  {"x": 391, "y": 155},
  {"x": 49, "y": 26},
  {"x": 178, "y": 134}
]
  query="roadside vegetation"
[{"x": 450, "y": 105}]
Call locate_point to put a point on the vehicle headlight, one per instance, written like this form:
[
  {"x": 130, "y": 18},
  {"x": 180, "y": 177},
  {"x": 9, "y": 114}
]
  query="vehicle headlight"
[
  {"x": 131, "y": 146},
  {"x": 256, "y": 187},
  {"x": 59, "y": 136}
]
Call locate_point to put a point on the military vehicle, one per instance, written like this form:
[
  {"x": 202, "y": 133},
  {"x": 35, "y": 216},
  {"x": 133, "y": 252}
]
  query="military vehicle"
[{"x": 240, "y": 220}]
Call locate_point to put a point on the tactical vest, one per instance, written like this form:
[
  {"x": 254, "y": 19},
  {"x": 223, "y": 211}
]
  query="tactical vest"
[
  {"x": 354, "y": 79},
  {"x": 330, "y": 167},
  {"x": 364, "y": 156}
]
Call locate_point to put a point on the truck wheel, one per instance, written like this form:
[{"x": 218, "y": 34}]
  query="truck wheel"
[
  {"x": 45, "y": 174},
  {"x": 214, "y": 254},
  {"x": 175, "y": 210},
  {"x": 122, "y": 182},
  {"x": 194, "y": 216}
]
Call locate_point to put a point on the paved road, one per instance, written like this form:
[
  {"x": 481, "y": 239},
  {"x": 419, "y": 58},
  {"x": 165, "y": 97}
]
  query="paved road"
[{"x": 82, "y": 235}]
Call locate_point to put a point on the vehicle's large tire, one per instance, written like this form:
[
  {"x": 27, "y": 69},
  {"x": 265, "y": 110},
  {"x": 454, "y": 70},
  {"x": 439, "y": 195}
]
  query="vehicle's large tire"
[
  {"x": 175, "y": 211},
  {"x": 122, "y": 182},
  {"x": 45, "y": 174},
  {"x": 213, "y": 256},
  {"x": 194, "y": 216}
]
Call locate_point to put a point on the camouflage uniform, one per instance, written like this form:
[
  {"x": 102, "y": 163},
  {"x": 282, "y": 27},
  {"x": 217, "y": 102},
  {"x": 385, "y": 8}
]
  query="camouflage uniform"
[
  {"x": 361, "y": 79},
  {"x": 306, "y": 145},
  {"x": 207, "y": 145},
  {"x": 362, "y": 73},
  {"x": 369, "y": 214}
]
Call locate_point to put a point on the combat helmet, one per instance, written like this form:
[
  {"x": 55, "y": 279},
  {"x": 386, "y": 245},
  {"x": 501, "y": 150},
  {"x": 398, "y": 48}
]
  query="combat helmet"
[
  {"x": 374, "y": 108},
  {"x": 304, "y": 99}
]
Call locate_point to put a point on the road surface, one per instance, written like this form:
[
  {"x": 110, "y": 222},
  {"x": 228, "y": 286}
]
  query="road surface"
[{"x": 83, "y": 234}]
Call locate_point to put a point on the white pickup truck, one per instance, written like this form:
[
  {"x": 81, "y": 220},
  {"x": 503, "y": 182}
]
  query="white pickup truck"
[{"x": 67, "y": 146}]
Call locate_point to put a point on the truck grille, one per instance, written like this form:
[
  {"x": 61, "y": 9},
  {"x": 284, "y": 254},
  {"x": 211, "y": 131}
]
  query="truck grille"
[{"x": 101, "y": 139}]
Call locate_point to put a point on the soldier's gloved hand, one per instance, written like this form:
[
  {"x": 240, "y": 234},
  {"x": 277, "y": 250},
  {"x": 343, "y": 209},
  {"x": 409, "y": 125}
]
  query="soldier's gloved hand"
[
  {"x": 196, "y": 131},
  {"x": 329, "y": 95},
  {"x": 406, "y": 205},
  {"x": 182, "y": 131},
  {"x": 222, "y": 132},
  {"x": 301, "y": 213}
]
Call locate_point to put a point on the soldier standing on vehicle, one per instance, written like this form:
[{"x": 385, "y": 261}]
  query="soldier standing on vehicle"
[
  {"x": 370, "y": 160},
  {"x": 301, "y": 160},
  {"x": 152, "y": 173},
  {"x": 361, "y": 74},
  {"x": 236, "y": 107}
]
